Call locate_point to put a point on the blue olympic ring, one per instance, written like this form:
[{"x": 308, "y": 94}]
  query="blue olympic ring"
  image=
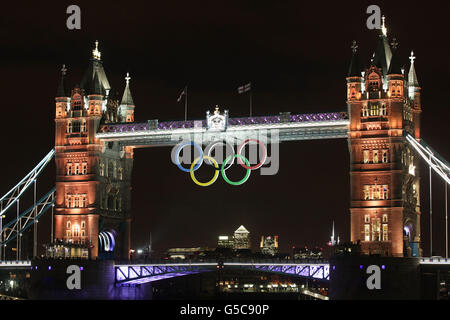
[{"x": 177, "y": 156}]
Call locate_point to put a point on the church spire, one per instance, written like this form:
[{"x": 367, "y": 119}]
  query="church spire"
[
  {"x": 127, "y": 99},
  {"x": 61, "y": 92},
  {"x": 412, "y": 77}
]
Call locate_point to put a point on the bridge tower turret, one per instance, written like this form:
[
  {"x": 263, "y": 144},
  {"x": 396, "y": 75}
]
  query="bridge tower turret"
[
  {"x": 92, "y": 215},
  {"x": 385, "y": 204}
]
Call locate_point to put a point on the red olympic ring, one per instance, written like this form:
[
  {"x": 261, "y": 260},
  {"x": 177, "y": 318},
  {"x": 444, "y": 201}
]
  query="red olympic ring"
[{"x": 262, "y": 160}]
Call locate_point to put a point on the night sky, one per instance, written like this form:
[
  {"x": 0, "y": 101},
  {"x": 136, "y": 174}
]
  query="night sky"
[{"x": 296, "y": 56}]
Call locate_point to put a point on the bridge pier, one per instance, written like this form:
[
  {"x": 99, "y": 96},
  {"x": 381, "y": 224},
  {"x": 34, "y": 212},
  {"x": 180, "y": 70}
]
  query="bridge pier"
[
  {"x": 49, "y": 282},
  {"x": 400, "y": 278}
]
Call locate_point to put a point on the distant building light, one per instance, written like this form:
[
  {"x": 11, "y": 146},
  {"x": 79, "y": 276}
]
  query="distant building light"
[
  {"x": 383, "y": 267},
  {"x": 139, "y": 251},
  {"x": 223, "y": 237},
  {"x": 49, "y": 267},
  {"x": 361, "y": 266}
]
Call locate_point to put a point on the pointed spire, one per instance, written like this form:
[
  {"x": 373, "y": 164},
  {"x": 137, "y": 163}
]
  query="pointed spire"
[
  {"x": 354, "y": 70},
  {"x": 127, "y": 99},
  {"x": 96, "y": 86},
  {"x": 383, "y": 54},
  {"x": 395, "y": 66},
  {"x": 412, "y": 77},
  {"x": 61, "y": 92}
]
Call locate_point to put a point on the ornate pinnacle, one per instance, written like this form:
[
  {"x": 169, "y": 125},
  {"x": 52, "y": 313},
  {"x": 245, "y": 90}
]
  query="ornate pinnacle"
[
  {"x": 354, "y": 46},
  {"x": 63, "y": 70},
  {"x": 128, "y": 78},
  {"x": 394, "y": 43},
  {"x": 95, "y": 53},
  {"x": 412, "y": 57}
]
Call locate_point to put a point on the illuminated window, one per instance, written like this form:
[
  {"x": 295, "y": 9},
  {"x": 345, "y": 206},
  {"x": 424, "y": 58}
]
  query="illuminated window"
[
  {"x": 76, "y": 230},
  {"x": 77, "y": 202},
  {"x": 120, "y": 173},
  {"x": 376, "y": 229},
  {"x": 68, "y": 225},
  {"x": 384, "y": 157},
  {"x": 366, "y": 192},
  {"x": 83, "y": 233},
  {"x": 83, "y": 201},
  {"x": 83, "y": 126},
  {"x": 385, "y": 232},
  {"x": 115, "y": 170},
  {"x": 364, "y": 111},
  {"x": 375, "y": 156},
  {"x": 367, "y": 232},
  {"x": 385, "y": 191},
  {"x": 83, "y": 224},
  {"x": 102, "y": 169},
  {"x": 69, "y": 127},
  {"x": 69, "y": 168},
  {"x": 366, "y": 156},
  {"x": 77, "y": 168},
  {"x": 383, "y": 110},
  {"x": 374, "y": 109},
  {"x": 68, "y": 234},
  {"x": 84, "y": 168},
  {"x": 385, "y": 218},
  {"x": 376, "y": 192},
  {"x": 367, "y": 218}
]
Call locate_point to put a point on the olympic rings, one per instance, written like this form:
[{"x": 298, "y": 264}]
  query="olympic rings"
[
  {"x": 224, "y": 176},
  {"x": 206, "y": 155},
  {"x": 216, "y": 174},
  {"x": 210, "y": 147},
  {"x": 263, "y": 157},
  {"x": 177, "y": 155}
]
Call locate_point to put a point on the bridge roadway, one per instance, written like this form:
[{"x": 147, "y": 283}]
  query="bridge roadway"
[{"x": 285, "y": 126}]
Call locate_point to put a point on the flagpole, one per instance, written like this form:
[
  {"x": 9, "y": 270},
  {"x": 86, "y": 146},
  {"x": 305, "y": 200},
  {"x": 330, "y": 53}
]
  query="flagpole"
[
  {"x": 251, "y": 102},
  {"x": 185, "y": 104}
]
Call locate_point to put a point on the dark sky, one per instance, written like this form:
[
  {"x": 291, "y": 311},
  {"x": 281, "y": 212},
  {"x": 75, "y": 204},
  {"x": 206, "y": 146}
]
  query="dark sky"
[{"x": 296, "y": 55}]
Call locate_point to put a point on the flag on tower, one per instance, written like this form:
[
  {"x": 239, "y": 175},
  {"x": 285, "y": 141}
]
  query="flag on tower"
[
  {"x": 182, "y": 93},
  {"x": 245, "y": 88}
]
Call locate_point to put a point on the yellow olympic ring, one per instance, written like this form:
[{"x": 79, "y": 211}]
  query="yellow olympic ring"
[{"x": 216, "y": 174}]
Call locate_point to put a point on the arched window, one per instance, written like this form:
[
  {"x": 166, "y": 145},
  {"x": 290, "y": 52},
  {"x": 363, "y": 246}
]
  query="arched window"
[
  {"x": 76, "y": 230},
  {"x": 69, "y": 168},
  {"x": 84, "y": 168},
  {"x": 68, "y": 225}
]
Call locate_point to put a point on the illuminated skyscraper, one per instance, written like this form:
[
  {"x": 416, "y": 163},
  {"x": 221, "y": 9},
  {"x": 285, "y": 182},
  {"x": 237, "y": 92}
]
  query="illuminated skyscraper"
[
  {"x": 241, "y": 238},
  {"x": 225, "y": 242},
  {"x": 269, "y": 245}
]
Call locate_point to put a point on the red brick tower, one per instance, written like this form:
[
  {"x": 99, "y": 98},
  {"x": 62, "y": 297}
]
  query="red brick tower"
[
  {"x": 93, "y": 184},
  {"x": 383, "y": 106}
]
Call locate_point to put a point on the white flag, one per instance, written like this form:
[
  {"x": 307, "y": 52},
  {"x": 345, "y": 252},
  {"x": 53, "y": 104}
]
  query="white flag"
[
  {"x": 245, "y": 88},
  {"x": 181, "y": 94}
]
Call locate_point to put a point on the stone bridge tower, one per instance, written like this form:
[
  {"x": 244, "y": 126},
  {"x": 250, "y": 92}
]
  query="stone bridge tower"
[
  {"x": 384, "y": 105},
  {"x": 93, "y": 180}
]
